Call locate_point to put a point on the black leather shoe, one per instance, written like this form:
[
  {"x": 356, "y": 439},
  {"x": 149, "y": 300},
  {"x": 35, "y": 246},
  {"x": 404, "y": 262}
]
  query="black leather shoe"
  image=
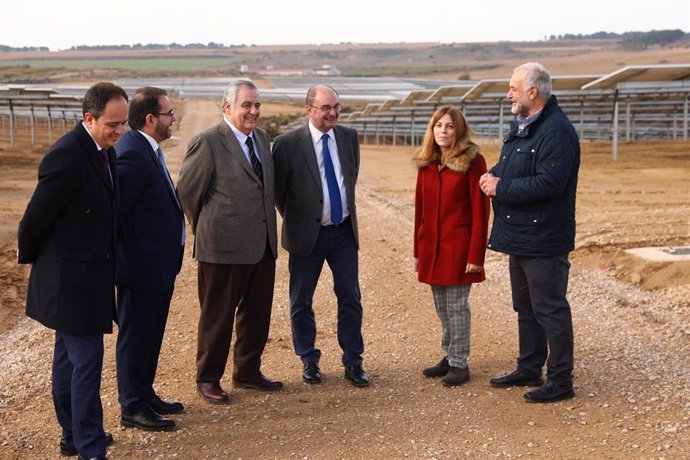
[
  {"x": 357, "y": 376},
  {"x": 147, "y": 420},
  {"x": 439, "y": 370},
  {"x": 67, "y": 448},
  {"x": 311, "y": 373},
  {"x": 163, "y": 407},
  {"x": 97, "y": 457},
  {"x": 517, "y": 378},
  {"x": 456, "y": 376},
  {"x": 550, "y": 392},
  {"x": 256, "y": 382}
]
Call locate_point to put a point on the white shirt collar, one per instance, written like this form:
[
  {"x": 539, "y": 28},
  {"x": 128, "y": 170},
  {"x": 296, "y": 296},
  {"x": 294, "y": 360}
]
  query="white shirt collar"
[
  {"x": 152, "y": 141},
  {"x": 98, "y": 147},
  {"x": 317, "y": 134},
  {"x": 241, "y": 137}
]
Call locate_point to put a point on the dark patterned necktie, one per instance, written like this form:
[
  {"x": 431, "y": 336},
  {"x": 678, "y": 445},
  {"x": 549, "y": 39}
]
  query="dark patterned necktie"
[
  {"x": 256, "y": 164},
  {"x": 103, "y": 154}
]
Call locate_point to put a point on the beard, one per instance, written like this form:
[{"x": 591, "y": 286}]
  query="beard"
[
  {"x": 164, "y": 131},
  {"x": 519, "y": 108}
]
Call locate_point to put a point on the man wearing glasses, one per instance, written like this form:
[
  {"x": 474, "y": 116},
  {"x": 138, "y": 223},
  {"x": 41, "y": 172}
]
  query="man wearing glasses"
[
  {"x": 316, "y": 172},
  {"x": 150, "y": 249}
]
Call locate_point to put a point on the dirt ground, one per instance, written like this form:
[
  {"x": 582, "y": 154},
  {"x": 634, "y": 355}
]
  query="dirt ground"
[{"x": 632, "y": 328}]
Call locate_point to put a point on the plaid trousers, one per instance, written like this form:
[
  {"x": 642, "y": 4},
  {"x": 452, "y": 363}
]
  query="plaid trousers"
[{"x": 454, "y": 312}]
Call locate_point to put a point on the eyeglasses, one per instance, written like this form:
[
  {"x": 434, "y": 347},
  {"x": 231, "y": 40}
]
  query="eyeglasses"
[
  {"x": 170, "y": 113},
  {"x": 327, "y": 108}
]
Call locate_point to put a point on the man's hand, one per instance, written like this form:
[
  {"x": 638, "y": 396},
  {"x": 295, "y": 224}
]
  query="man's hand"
[{"x": 488, "y": 183}]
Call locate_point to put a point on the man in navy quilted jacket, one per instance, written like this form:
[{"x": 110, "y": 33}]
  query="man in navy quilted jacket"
[{"x": 533, "y": 189}]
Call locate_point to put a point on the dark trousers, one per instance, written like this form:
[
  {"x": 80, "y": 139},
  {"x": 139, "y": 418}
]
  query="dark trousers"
[
  {"x": 77, "y": 366},
  {"x": 141, "y": 319},
  {"x": 545, "y": 325},
  {"x": 226, "y": 291},
  {"x": 337, "y": 246}
]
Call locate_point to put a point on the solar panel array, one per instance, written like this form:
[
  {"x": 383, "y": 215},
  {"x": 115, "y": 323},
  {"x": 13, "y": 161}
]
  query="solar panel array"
[
  {"x": 634, "y": 103},
  {"x": 36, "y": 114}
]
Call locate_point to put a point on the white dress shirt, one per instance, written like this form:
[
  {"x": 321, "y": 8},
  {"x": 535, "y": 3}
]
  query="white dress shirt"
[{"x": 333, "y": 148}]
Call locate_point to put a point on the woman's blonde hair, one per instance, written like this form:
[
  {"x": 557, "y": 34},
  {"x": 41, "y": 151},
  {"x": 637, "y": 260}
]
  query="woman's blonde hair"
[{"x": 461, "y": 142}]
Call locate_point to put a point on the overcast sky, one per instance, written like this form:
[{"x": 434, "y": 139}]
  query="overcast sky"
[{"x": 61, "y": 24}]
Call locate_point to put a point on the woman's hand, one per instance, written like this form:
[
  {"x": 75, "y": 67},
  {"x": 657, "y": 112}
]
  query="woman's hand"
[{"x": 472, "y": 268}]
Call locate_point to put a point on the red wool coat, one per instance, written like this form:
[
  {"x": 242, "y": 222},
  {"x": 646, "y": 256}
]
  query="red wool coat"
[{"x": 451, "y": 221}]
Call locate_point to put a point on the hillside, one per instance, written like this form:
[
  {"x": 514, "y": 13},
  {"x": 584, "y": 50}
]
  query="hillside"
[{"x": 435, "y": 60}]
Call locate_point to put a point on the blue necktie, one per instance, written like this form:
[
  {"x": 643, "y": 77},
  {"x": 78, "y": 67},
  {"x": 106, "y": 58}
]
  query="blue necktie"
[
  {"x": 332, "y": 182},
  {"x": 161, "y": 163},
  {"x": 164, "y": 167}
]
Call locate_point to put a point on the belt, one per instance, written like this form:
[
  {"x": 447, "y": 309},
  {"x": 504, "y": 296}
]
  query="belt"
[{"x": 344, "y": 221}]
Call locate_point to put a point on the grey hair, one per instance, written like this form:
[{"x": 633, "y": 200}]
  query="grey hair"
[
  {"x": 537, "y": 75},
  {"x": 230, "y": 95}
]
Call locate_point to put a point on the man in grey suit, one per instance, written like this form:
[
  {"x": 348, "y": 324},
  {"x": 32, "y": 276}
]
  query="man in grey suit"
[
  {"x": 226, "y": 187},
  {"x": 316, "y": 172}
]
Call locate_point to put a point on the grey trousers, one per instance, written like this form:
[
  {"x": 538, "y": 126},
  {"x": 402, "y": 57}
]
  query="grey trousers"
[{"x": 454, "y": 312}]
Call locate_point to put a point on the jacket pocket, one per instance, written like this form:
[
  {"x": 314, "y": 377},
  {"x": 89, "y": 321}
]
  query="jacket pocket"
[{"x": 520, "y": 217}]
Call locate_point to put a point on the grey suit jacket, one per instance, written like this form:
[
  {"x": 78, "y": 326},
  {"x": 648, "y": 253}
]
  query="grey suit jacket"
[
  {"x": 299, "y": 194},
  {"x": 230, "y": 211}
]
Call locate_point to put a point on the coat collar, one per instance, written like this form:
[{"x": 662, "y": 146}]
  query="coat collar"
[{"x": 459, "y": 162}]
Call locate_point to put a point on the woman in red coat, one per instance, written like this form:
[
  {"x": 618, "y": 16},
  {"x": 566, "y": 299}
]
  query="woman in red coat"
[{"x": 451, "y": 223}]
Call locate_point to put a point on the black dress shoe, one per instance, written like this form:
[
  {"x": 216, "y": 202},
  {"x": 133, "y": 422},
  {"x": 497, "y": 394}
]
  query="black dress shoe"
[
  {"x": 67, "y": 448},
  {"x": 357, "y": 376},
  {"x": 550, "y": 392},
  {"x": 517, "y": 378},
  {"x": 163, "y": 407},
  {"x": 439, "y": 370},
  {"x": 147, "y": 420},
  {"x": 311, "y": 373},
  {"x": 256, "y": 382},
  {"x": 97, "y": 457}
]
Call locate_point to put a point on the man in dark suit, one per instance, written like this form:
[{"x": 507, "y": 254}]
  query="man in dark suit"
[
  {"x": 316, "y": 172},
  {"x": 67, "y": 233},
  {"x": 226, "y": 187},
  {"x": 149, "y": 254}
]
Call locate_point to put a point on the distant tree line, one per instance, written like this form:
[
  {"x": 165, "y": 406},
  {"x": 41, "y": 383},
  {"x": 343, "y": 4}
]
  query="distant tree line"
[
  {"x": 5, "y": 48},
  {"x": 154, "y": 46},
  {"x": 633, "y": 40}
]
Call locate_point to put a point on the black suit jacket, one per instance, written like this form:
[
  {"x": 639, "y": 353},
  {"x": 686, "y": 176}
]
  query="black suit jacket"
[
  {"x": 68, "y": 234},
  {"x": 149, "y": 240},
  {"x": 299, "y": 192}
]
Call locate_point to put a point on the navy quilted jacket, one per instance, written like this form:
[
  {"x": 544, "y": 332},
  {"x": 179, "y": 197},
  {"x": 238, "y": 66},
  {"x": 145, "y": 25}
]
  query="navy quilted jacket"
[{"x": 534, "y": 206}]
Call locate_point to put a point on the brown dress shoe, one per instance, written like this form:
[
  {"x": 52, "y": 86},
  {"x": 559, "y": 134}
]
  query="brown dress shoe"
[
  {"x": 257, "y": 382},
  {"x": 212, "y": 392}
]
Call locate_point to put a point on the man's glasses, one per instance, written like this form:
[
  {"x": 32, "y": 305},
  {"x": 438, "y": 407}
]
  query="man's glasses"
[
  {"x": 327, "y": 108},
  {"x": 170, "y": 113}
]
